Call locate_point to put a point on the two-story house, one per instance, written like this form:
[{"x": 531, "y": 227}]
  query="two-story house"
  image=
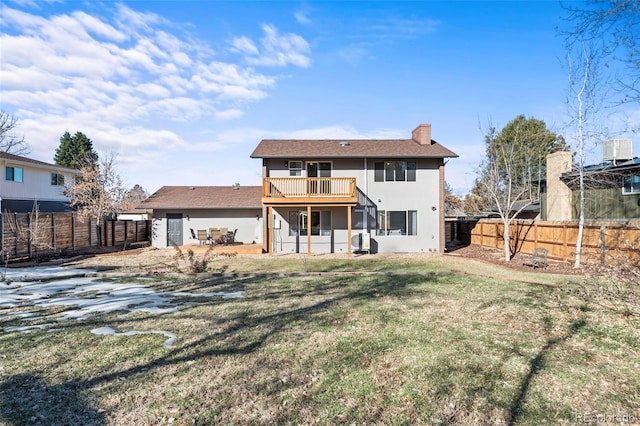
[
  {"x": 337, "y": 196},
  {"x": 26, "y": 181}
]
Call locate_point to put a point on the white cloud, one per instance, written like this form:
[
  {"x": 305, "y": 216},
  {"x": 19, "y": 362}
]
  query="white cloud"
[
  {"x": 110, "y": 76},
  {"x": 229, "y": 114},
  {"x": 354, "y": 53},
  {"x": 302, "y": 17},
  {"x": 332, "y": 132},
  {"x": 275, "y": 50},
  {"x": 245, "y": 45}
]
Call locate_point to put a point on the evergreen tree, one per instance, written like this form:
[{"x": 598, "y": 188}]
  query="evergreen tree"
[{"x": 75, "y": 151}]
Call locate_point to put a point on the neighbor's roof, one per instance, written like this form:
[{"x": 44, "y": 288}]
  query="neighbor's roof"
[
  {"x": 204, "y": 197},
  {"x": 18, "y": 159},
  {"x": 349, "y": 148}
]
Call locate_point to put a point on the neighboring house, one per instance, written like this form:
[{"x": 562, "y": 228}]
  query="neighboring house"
[
  {"x": 326, "y": 196},
  {"x": 26, "y": 181},
  {"x": 136, "y": 214},
  {"x": 179, "y": 210},
  {"x": 612, "y": 189}
]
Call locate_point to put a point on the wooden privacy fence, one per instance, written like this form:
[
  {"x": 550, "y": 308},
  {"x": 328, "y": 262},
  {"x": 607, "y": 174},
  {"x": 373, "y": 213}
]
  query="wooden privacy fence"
[
  {"x": 601, "y": 240},
  {"x": 39, "y": 234}
]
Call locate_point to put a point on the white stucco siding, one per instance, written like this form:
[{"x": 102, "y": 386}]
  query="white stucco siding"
[
  {"x": 421, "y": 196},
  {"x": 248, "y": 222}
]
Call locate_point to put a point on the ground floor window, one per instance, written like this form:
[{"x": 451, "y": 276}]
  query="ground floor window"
[
  {"x": 300, "y": 223},
  {"x": 631, "y": 185},
  {"x": 397, "y": 222}
]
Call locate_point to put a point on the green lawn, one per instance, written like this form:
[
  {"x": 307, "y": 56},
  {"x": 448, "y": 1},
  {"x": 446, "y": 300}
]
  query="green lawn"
[{"x": 413, "y": 343}]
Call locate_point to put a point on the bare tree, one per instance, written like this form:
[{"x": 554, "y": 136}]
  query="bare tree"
[
  {"x": 584, "y": 101},
  {"x": 98, "y": 192},
  {"x": 614, "y": 26},
  {"x": 509, "y": 196},
  {"x": 510, "y": 174},
  {"x": 9, "y": 141},
  {"x": 34, "y": 230},
  {"x": 134, "y": 197}
]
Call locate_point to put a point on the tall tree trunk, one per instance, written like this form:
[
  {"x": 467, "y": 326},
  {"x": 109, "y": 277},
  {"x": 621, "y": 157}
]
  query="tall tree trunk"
[
  {"x": 507, "y": 243},
  {"x": 581, "y": 120}
]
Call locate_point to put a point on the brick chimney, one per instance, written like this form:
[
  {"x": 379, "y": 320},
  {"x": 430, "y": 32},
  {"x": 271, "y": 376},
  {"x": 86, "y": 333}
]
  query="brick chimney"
[
  {"x": 558, "y": 194},
  {"x": 422, "y": 134}
]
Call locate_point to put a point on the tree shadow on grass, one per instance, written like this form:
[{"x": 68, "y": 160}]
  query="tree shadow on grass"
[
  {"x": 244, "y": 328},
  {"x": 25, "y": 399},
  {"x": 536, "y": 364}
]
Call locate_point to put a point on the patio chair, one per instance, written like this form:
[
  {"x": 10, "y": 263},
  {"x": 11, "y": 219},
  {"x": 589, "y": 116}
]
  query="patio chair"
[
  {"x": 216, "y": 235},
  {"x": 229, "y": 237},
  {"x": 202, "y": 236},
  {"x": 537, "y": 259}
]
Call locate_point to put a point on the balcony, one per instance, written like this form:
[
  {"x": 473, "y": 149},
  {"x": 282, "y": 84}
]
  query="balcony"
[{"x": 298, "y": 190}]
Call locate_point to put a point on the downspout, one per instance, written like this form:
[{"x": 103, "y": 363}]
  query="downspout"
[
  {"x": 366, "y": 195},
  {"x": 441, "y": 242}
]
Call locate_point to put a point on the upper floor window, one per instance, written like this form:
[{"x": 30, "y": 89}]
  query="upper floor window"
[
  {"x": 395, "y": 171},
  {"x": 13, "y": 173},
  {"x": 295, "y": 168},
  {"x": 57, "y": 179},
  {"x": 631, "y": 184}
]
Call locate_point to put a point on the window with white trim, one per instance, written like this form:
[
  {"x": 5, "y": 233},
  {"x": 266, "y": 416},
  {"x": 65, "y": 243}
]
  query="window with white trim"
[
  {"x": 14, "y": 174},
  {"x": 295, "y": 168},
  {"x": 631, "y": 184},
  {"x": 397, "y": 222}
]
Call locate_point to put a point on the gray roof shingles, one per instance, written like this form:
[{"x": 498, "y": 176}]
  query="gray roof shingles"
[
  {"x": 349, "y": 148},
  {"x": 204, "y": 197}
]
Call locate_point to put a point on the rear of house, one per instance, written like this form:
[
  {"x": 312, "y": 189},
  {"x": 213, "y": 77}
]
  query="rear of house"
[{"x": 339, "y": 196}]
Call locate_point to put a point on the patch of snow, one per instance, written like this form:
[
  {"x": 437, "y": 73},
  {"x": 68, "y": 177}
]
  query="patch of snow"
[
  {"x": 108, "y": 331},
  {"x": 88, "y": 295},
  {"x": 41, "y": 273}
]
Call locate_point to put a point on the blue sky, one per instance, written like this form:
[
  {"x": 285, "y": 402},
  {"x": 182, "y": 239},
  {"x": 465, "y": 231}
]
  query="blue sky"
[{"x": 183, "y": 91}]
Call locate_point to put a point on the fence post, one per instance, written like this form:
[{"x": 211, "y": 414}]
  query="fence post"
[
  {"x": 565, "y": 252},
  {"x": 53, "y": 230},
  {"x": 603, "y": 244},
  {"x": 15, "y": 233},
  {"x": 29, "y": 225},
  {"x": 73, "y": 231}
]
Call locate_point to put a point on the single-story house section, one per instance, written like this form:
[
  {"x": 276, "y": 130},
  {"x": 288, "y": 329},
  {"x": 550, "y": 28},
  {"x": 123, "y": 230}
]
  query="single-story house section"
[{"x": 179, "y": 210}]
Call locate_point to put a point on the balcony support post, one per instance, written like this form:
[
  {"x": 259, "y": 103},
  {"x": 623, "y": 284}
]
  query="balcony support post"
[
  {"x": 308, "y": 230},
  {"x": 270, "y": 230},
  {"x": 349, "y": 230}
]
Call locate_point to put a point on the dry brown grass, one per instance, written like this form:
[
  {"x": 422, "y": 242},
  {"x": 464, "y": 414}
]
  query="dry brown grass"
[{"x": 389, "y": 340}]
